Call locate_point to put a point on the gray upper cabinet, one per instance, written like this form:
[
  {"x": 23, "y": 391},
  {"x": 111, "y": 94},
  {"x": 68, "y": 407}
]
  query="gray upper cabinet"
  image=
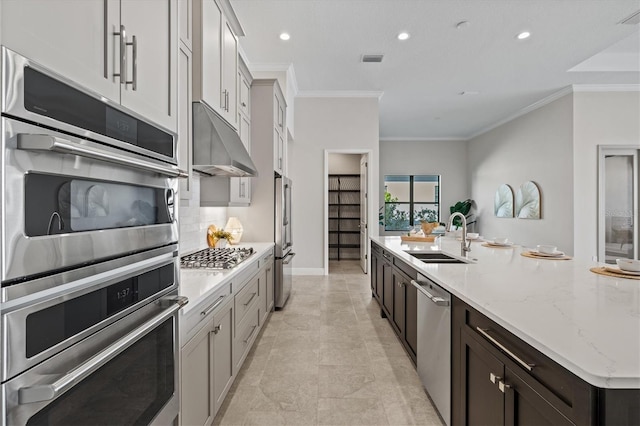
[
  {"x": 215, "y": 50},
  {"x": 82, "y": 41}
]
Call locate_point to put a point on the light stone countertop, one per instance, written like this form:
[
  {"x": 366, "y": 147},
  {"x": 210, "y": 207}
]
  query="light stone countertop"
[
  {"x": 199, "y": 284},
  {"x": 588, "y": 323}
]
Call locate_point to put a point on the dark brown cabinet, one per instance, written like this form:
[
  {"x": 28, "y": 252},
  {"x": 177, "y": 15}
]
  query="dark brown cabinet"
[
  {"x": 498, "y": 379},
  {"x": 398, "y": 299}
]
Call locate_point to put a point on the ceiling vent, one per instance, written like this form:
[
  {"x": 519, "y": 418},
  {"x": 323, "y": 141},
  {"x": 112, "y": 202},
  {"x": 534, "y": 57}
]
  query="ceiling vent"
[
  {"x": 372, "y": 58},
  {"x": 633, "y": 19}
]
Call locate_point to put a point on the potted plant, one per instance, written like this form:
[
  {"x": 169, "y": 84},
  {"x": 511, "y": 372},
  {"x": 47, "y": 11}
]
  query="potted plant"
[{"x": 463, "y": 207}]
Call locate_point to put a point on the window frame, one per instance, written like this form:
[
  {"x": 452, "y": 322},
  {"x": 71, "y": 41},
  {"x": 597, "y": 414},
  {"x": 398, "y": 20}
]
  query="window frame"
[{"x": 411, "y": 202}]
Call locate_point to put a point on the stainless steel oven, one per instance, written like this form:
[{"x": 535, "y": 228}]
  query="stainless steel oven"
[
  {"x": 124, "y": 373},
  {"x": 83, "y": 180},
  {"x": 88, "y": 256}
]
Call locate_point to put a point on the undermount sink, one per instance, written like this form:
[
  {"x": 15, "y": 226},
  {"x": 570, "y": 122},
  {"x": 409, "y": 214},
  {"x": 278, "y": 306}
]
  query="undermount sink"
[{"x": 429, "y": 257}]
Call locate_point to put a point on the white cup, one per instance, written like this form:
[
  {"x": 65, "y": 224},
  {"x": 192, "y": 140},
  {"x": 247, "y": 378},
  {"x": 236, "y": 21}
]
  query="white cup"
[
  {"x": 629, "y": 265},
  {"x": 500, "y": 240},
  {"x": 546, "y": 249}
]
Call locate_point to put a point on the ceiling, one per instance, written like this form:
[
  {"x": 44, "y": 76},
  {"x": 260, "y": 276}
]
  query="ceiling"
[{"x": 420, "y": 79}]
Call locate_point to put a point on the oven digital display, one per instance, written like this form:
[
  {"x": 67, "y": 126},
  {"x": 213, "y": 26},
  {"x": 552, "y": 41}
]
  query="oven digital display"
[{"x": 48, "y": 327}]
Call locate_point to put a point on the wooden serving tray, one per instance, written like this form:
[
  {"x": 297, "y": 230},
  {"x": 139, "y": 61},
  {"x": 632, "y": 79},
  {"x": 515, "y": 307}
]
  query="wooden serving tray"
[{"x": 427, "y": 239}]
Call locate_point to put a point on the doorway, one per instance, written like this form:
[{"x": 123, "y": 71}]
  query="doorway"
[
  {"x": 347, "y": 209},
  {"x": 617, "y": 203}
]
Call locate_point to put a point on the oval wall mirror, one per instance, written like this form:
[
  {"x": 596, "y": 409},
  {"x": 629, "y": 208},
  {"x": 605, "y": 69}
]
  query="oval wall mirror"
[
  {"x": 528, "y": 201},
  {"x": 503, "y": 204}
]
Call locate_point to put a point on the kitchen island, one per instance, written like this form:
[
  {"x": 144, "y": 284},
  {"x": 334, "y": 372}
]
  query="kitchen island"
[{"x": 586, "y": 324}]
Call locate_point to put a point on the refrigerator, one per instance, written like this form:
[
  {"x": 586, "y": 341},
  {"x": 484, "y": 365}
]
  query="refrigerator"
[{"x": 283, "y": 241}]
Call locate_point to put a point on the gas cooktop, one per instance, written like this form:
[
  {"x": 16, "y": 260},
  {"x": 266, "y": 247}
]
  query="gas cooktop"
[{"x": 215, "y": 258}]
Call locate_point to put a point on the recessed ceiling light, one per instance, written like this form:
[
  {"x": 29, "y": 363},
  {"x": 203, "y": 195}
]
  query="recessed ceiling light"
[
  {"x": 523, "y": 35},
  {"x": 403, "y": 36},
  {"x": 285, "y": 36}
]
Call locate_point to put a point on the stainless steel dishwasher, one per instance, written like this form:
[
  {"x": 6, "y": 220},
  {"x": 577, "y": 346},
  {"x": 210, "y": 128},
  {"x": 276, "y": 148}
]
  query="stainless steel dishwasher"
[{"x": 434, "y": 343}]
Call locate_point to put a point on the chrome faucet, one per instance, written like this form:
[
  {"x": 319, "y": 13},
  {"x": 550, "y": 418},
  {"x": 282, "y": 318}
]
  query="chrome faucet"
[{"x": 465, "y": 245}]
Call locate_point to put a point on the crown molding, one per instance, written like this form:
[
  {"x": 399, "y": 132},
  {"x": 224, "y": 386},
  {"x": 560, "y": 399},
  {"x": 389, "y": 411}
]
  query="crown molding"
[
  {"x": 427, "y": 139},
  {"x": 519, "y": 113},
  {"x": 339, "y": 94},
  {"x": 606, "y": 87},
  {"x": 270, "y": 67}
]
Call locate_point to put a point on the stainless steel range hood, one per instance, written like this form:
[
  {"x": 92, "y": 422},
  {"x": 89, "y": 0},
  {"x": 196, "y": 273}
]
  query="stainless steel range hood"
[{"x": 217, "y": 148}]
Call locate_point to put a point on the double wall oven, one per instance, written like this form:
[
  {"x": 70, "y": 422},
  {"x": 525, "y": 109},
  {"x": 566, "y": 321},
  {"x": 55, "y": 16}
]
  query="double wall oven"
[{"x": 88, "y": 261}]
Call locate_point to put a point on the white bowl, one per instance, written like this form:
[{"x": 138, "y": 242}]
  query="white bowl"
[
  {"x": 472, "y": 235},
  {"x": 500, "y": 240},
  {"x": 629, "y": 265},
  {"x": 547, "y": 249}
]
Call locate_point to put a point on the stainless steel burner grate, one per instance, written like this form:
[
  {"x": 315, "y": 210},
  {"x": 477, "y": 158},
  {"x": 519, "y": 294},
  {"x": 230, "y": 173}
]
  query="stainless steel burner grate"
[{"x": 215, "y": 258}]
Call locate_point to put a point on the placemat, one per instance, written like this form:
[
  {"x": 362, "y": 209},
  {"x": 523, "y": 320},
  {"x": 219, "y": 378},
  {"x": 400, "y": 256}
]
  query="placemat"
[
  {"x": 533, "y": 256},
  {"x": 498, "y": 247},
  {"x": 601, "y": 271}
]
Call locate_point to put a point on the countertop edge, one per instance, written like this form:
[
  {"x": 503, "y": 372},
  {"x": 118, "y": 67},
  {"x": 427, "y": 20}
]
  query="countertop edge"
[{"x": 605, "y": 382}]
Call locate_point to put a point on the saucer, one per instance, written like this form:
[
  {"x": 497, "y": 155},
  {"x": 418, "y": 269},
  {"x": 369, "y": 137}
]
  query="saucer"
[
  {"x": 617, "y": 270},
  {"x": 493, "y": 243},
  {"x": 556, "y": 253}
]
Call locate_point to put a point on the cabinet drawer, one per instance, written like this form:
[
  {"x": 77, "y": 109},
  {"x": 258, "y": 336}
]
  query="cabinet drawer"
[
  {"x": 406, "y": 269},
  {"x": 201, "y": 314},
  {"x": 568, "y": 393},
  {"x": 244, "y": 300},
  {"x": 246, "y": 333}
]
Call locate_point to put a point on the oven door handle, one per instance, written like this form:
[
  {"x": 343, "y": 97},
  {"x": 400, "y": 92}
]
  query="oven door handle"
[
  {"x": 51, "y": 391},
  {"x": 31, "y": 142}
]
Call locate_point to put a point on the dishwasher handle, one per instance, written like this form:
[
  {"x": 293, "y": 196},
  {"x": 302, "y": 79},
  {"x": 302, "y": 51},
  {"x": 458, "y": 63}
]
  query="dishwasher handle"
[{"x": 439, "y": 301}]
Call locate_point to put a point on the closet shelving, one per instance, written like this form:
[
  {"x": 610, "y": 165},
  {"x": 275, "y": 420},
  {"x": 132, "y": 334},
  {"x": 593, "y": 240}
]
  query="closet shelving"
[{"x": 344, "y": 216}]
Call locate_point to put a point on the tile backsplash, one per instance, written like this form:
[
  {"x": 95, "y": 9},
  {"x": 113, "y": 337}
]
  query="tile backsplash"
[{"x": 194, "y": 219}]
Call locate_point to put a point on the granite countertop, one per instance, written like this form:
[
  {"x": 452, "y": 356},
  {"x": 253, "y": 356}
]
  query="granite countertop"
[
  {"x": 588, "y": 323},
  {"x": 198, "y": 284}
]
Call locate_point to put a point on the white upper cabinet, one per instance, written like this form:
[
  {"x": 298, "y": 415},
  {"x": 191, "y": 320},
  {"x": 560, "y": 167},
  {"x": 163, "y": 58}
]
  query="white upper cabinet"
[
  {"x": 83, "y": 42},
  {"x": 68, "y": 37},
  {"x": 215, "y": 50},
  {"x": 151, "y": 31}
]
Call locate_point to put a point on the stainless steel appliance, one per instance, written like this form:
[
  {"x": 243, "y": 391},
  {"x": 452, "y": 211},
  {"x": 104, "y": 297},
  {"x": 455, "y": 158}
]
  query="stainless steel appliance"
[
  {"x": 84, "y": 181},
  {"x": 96, "y": 351},
  {"x": 89, "y": 262},
  {"x": 434, "y": 343},
  {"x": 283, "y": 241},
  {"x": 216, "y": 258}
]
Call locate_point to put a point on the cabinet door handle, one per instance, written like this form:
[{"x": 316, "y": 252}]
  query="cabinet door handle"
[
  {"x": 502, "y": 386},
  {"x": 244, "y": 105},
  {"x": 249, "y": 301},
  {"x": 485, "y": 333},
  {"x": 493, "y": 378},
  {"x": 123, "y": 55},
  {"x": 223, "y": 99},
  {"x": 217, "y": 329},
  {"x": 242, "y": 189},
  {"x": 250, "y": 334},
  {"x": 227, "y": 102},
  {"x": 213, "y": 306},
  {"x": 134, "y": 59}
]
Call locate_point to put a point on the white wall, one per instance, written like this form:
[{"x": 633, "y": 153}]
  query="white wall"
[
  {"x": 599, "y": 118},
  {"x": 535, "y": 147},
  {"x": 325, "y": 123},
  {"x": 445, "y": 158},
  {"x": 346, "y": 164}
]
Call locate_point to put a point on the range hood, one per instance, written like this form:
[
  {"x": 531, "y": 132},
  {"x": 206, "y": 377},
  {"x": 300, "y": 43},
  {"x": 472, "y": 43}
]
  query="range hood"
[{"x": 217, "y": 148}]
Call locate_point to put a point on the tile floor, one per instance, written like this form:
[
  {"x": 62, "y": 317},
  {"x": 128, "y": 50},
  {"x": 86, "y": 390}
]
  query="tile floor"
[{"x": 328, "y": 359}]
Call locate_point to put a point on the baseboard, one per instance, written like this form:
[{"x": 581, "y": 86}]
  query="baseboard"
[{"x": 307, "y": 271}]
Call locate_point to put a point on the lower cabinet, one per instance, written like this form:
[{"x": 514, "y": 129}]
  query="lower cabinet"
[
  {"x": 500, "y": 380},
  {"x": 223, "y": 367},
  {"x": 219, "y": 343},
  {"x": 398, "y": 299},
  {"x": 197, "y": 405}
]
